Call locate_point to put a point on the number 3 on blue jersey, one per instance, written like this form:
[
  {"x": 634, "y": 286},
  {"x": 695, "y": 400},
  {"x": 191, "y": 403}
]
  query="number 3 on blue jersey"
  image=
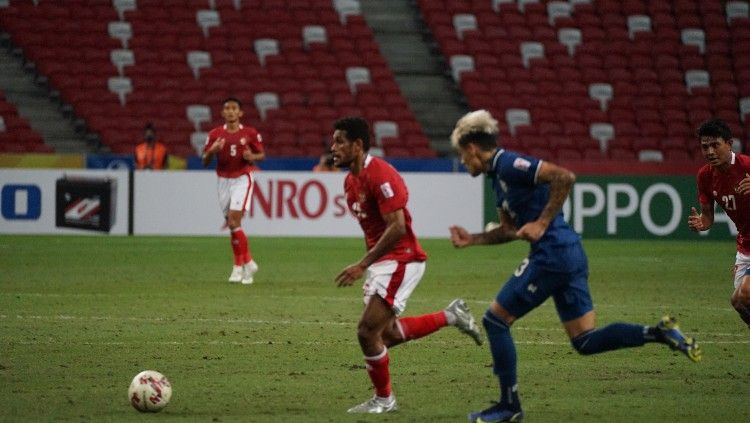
[{"x": 521, "y": 267}]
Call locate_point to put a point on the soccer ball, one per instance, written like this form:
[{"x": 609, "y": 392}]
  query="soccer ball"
[{"x": 149, "y": 391}]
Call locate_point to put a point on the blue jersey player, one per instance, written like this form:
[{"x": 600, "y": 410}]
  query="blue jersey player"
[{"x": 530, "y": 194}]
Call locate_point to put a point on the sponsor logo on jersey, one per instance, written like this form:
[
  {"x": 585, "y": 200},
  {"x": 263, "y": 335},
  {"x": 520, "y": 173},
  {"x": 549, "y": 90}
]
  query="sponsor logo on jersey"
[
  {"x": 387, "y": 190},
  {"x": 521, "y": 164}
]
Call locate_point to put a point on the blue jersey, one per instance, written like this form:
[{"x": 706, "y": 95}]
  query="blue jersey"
[{"x": 523, "y": 199}]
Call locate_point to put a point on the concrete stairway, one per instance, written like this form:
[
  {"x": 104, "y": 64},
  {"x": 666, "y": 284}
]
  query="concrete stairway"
[
  {"x": 33, "y": 102},
  {"x": 419, "y": 69}
]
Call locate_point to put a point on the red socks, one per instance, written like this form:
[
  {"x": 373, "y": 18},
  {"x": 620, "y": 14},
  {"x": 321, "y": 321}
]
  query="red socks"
[
  {"x": 411, "y": 328},
  {"x": 240, "y": 248},
  {"x": 377, "y": 368},
  {"x": 419, "y": 326}
]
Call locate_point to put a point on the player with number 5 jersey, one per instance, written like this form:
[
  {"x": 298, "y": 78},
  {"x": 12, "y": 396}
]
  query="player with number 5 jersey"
[
  {"x": 725, "y": 179},
  {"x": 237, "y": 148}
]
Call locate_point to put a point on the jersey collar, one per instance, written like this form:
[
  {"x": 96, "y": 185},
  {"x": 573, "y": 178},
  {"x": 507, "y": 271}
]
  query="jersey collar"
[
  {"x": 734, "y": 157},
  {"x": 239, "y": 127},
  {"x": 368, "y": 159},
  {"x": 495, "y": 158}
]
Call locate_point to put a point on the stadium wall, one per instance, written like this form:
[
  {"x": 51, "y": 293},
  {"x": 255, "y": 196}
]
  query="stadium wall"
[
  {"x": 185, "y": 203},
  {"x": 292, "y": 204}
]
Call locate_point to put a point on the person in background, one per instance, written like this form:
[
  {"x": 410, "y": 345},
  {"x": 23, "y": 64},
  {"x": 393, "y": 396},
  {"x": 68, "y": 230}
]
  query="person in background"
[
  {"x": 237, "y": 147},
  {"x": 325, "y": 164},
  {"x": 150, "y": 154},
  {"x": 725, "y": 179}
]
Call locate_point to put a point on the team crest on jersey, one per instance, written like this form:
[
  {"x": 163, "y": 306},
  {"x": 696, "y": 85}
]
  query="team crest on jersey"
[
  {"x": 243, "y": 141},
  {"x": 357, "y": 206},
  {"x": 387, "y": 190},
  {"x": 521, "y": 164}
]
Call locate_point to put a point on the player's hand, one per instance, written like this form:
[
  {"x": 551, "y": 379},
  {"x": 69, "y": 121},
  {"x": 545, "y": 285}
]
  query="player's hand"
[
  {"x": 218, "y": 145},
  {"x": 460, "y": 237},
  {"x": 247, "y": 154},
  {"x": 744, "y": 185},
  {"x": 532, "y": 231},
  {"x": 695, "y": 221},
  {"x": 350, "y": 274}
]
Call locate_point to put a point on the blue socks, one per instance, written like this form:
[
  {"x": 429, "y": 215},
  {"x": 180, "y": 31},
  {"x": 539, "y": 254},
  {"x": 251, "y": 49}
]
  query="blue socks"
[
  {"x": 608, "y": 338},
  {"x": 612, "y": 337},
  {"x": 503, "y": 359}
]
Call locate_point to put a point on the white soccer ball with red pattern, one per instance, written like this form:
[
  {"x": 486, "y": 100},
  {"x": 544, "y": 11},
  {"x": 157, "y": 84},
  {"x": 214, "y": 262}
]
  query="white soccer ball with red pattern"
[{"x": 149, "y": 391}]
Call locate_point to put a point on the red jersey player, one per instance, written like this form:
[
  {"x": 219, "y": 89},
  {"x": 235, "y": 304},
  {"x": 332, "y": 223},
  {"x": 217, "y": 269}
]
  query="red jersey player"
[
  {"x": 726, "y": 180},
  {"x": 237, "y": 147},
  {"x": 394, "y": 262}
]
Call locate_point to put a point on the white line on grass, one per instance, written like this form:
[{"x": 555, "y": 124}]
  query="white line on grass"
[
  {"x": 178, "y": 319},
  {"x": 358, "y": 299},
  {"x": 64, "y": 317}
]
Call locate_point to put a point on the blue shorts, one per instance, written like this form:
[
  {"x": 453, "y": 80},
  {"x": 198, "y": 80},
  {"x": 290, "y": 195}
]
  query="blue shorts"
[{"x": 532, "y": 284}]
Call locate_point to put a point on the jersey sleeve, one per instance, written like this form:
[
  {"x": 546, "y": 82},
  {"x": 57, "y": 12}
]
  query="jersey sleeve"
[
  {"x": 518, "y": 170},
  {"x": 210, "y": 139},
  {"x": 256, "y": 141},
  {"x": 389, "y": 189}
]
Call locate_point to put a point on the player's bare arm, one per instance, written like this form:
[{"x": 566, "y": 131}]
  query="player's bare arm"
[
  {"x": 703, "y": 221},
  {"x": 211, "y": 152},
  {"x": 560, "y": 181},
  {"x": 394, "y": 231},
  {"x": 744, "y": 186},
  {"x": 506, "y": 232}
]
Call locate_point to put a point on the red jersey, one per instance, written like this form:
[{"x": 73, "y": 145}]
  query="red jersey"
[
  {"x": 714, "y": 185},
  {"x": 376, "y": 191},
  {"x": 231, "y": 164}
]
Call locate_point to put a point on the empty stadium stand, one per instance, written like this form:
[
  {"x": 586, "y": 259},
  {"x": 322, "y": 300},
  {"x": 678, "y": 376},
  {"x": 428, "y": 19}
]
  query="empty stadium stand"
[
  {"x": 16, "y": 136},
  {"x": 123, "y": 63},
  {"x": 596, "y": 79}
]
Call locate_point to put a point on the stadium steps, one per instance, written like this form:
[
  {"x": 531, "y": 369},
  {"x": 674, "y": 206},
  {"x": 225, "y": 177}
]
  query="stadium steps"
[
  {"x": 417, "y": 68},
  {"x": 34, "y": 104}
]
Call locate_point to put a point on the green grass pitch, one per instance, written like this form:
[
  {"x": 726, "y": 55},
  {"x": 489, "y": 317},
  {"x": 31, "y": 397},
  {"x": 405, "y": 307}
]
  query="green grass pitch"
[{"x": 80, "y": 316}]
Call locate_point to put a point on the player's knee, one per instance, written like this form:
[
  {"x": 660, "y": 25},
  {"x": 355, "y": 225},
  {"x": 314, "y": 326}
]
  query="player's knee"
[
  {"x": 741, "y": 296},
  {"x": 365, "y": 332},
  {"x": 493, "y": 323},
  {"x": 581, "y": 343}
]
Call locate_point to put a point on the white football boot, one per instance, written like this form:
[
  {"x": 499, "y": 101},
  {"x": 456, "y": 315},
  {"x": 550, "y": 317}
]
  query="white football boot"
[
  {"x": 248, "y": 271},
  {"x": 376, "y": 405},
  {"x": 236, "y": 275},
  {"x": 464, "y": 320}
]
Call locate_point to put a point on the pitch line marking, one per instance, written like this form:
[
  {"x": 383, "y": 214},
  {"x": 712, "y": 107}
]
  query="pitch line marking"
[
  {"x": 64, "y": 317},
  {"x": 358, "y": 299}
]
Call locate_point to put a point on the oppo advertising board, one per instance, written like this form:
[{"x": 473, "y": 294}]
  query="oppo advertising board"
[
  {"x": 63, "y": 201},
  {"x": 296, "y": 204},
  {"x": 639, "y": 207}
]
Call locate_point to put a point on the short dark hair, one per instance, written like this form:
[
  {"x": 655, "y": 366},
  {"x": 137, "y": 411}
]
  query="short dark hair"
[
  {"x": 715, "y": 128},
  {"x": 234, "y": 99},
  {"x": 484, "y": 140},
  {"x": 149, "y": 127},
  {"x": 355, "y": 127}
]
